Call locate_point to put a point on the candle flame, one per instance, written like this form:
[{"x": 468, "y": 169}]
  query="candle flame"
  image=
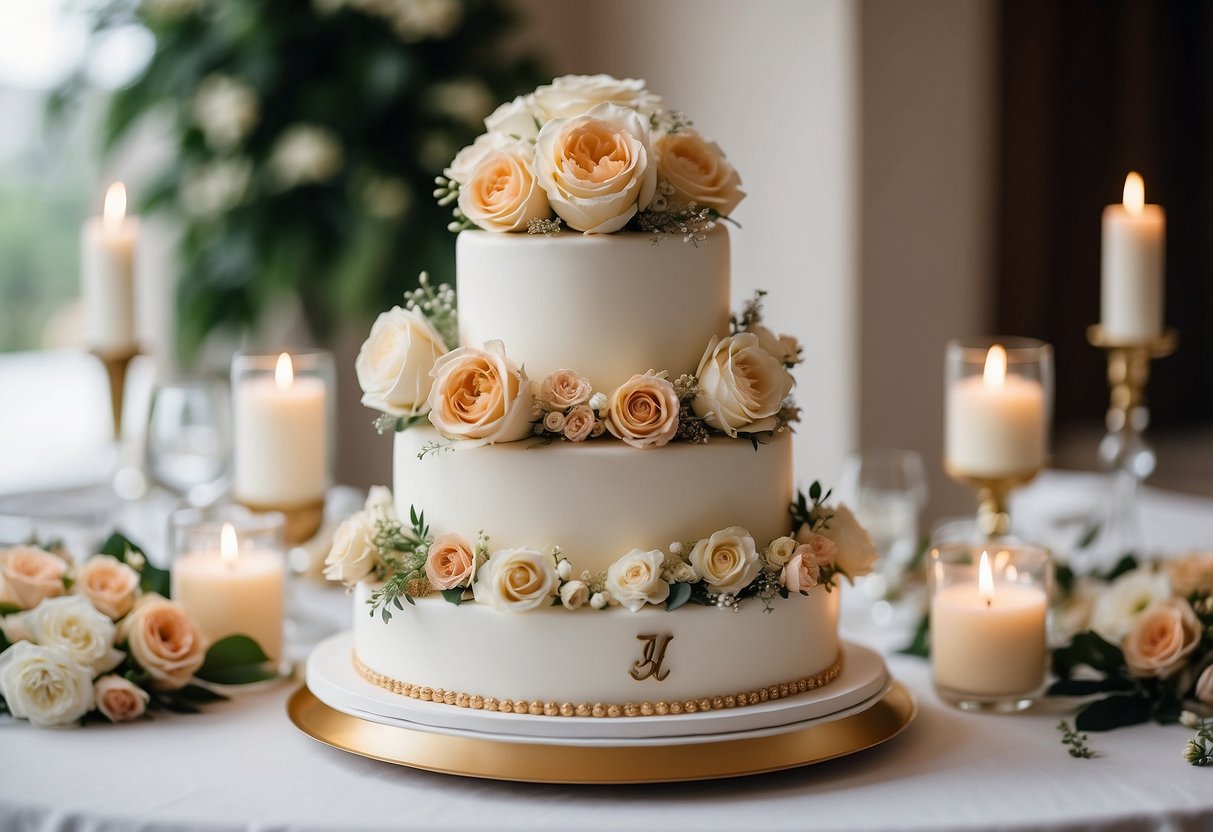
[
  {"x": 229, "y": 546},
  {"x": 1135, "y": 193},
  {"x": 985, "y": 579},
  {"x": 995, "y": 373},
  {"x": 284, "y": 372},
  {"x": 115, "y": 205}
]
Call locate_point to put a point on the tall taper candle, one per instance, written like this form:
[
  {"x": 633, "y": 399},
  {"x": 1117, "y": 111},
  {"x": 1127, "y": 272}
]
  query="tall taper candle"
[
  {"x": 1134, "y": 244},
  {"x": 107, "y": 274}
]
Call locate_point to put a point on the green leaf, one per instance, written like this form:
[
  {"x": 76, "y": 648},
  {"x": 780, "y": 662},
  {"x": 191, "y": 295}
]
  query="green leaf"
[
  {"x": 151, "y": 578},
  {"x": 4, "y": 642},
  {"x": 815, "y": 491},
  {"x": 1089, "y": 537},
  {"x": 1087, "y": 687},
  {"x": 1064, "y": 576},
  {"x": 920, "y": 645},
  {"x": 235, "y": 660},
  {"x": 1126, "y": 564},
  {"x": 455, "y": 596},
  {"x": 1113, "y": 712},
  {"x": 1091, "y": 650},
  {"x": 8, "y": 609},
  {"x": 171, "y": 701},
  {"x": 680, "y": 593},
  {"x": 197, "y": 693}
]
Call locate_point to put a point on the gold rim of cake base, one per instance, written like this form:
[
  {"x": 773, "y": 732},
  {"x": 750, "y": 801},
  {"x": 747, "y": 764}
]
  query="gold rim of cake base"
[
  {"x": 535, "y": 707},
  {"x": 545, "y": 762}
]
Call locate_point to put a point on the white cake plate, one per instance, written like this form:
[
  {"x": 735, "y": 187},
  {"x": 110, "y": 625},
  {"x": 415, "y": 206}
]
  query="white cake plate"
[{"x": 331, "y": 678}]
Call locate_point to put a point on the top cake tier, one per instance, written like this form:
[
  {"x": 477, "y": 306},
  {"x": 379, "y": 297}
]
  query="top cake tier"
[{"x": 607, "y": 306}]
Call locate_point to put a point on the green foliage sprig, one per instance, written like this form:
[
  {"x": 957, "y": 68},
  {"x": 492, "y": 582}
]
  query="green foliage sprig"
[
  {"x": 1076, "y": 743},
  {"x": 402, "y": 553}
]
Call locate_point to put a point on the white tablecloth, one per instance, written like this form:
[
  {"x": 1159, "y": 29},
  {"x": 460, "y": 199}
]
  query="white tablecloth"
[{"x": 244, "y": 766}]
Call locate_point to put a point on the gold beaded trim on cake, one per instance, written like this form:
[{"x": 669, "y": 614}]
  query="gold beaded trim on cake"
[{"x": 535, "y": 707}]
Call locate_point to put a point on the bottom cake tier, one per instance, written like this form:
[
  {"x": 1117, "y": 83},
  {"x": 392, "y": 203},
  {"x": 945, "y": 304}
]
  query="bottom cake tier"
[{"x": 552, "y": 662}]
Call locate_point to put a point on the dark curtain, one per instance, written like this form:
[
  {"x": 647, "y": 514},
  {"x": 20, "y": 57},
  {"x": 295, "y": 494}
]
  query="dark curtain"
[{"x": 1090, "y": 91}]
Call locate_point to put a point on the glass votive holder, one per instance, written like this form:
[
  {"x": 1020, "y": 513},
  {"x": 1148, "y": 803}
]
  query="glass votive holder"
[
  {"x": 228, "y": 572},
  {"x": 989, "y": 608},
  {"x": 283, "y": 408}
]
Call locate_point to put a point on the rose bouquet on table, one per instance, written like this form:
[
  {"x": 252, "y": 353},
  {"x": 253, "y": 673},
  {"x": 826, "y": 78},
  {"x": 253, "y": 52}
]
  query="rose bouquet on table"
[{"x": 103, "y": 640}]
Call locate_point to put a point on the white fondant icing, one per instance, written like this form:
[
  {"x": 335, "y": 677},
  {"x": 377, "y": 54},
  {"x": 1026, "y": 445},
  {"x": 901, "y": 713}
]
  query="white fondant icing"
[
  {"x": 554, "y": 655},
  {"x": 600, "y": 499},
  {"x": 608, "y": 305}
]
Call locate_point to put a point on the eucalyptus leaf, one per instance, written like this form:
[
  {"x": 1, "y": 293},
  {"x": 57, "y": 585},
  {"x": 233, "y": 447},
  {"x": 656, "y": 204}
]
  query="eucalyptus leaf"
[
  {"x": 680, "y": 593},
  {"x": 453, "y": 596}
]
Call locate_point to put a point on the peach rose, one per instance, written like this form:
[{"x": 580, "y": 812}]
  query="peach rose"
[
  {"x": 1191, "y": 573},
  {"x": 596, "y": 168},
  {"x": 741, "y": 385},
  {"x": 480, "y": 395},
  {"x": 450, "y": 562},
  {"x": 119, "y": 699},
  {"x": 1204, "y": 686},
  {"x": 109, "y": 583},
  {"x": 29, "y": 574},
  {"x": 643, "y": 411},
  {"x": 501, "y": 194},
  {"x": 727, "y": 561},
  {"x": 164, "y": 641},
  {"x": 855, "y": 553},
  {"x": 564, "y": 389},
  {"x": 823, "y": 550},
  {"x": 1161, "y": 639},
  {"x": 579, "y": 423},
  {"x": 698, "y": 171},
  {"x": 802, "y": 572}
]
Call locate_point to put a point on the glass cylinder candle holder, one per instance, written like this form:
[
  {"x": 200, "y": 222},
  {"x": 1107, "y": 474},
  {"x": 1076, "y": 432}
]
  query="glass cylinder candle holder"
[
  {"x": 283, "y": 424},
  {"x": 989, "y": 608},
  {"x": 228, "y": 572},
  {"x": 998, "y": 410}
]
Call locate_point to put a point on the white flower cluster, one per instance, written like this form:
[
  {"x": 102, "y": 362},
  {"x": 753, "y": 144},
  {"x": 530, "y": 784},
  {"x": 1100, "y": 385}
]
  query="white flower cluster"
[{"x": 591, "y": 149}]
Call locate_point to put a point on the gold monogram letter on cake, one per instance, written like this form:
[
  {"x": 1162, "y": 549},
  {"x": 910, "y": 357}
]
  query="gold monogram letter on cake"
[{"x": 654, "y": 657}]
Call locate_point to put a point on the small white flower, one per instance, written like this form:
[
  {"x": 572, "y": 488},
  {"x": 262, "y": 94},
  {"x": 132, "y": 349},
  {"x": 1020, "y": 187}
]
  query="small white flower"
[
  {"x": 1126, "y": 599},
  {"x": 554, "y": 421},
  {"x": 225, "y": 110},
  {"x": 598, "y": 401},
  {"x": 564, "y": 569},
  {"x": 464, "y": 99},
  {"x": 386, "y": 197},
  {"x": 599, "y": 600},
  {"x": 574, "y": 594},
  {"x": 306, "y": 154},
  {"x": 676, "y": 547},
  {"x": 214, "y": 188},
  {"x": 1190, "y": 720}
]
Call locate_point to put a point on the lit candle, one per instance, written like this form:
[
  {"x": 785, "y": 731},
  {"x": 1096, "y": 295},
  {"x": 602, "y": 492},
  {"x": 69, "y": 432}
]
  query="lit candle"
[
  {"x": 281, "y": 439},
  {"x": 107, "y": 274},
  {"x": 988, "y": 637},
  {"x": 1134, "y": 243},
  {"x": 234, "y": 590},
  {"x": 995, "y": 422}
]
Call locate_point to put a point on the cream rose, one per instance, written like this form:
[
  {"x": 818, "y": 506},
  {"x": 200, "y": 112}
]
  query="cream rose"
[
  {"x": 379, "y": 501},
  {"x": 29, "y": 574},
  {"x": 643, "y": 411},
  {"x": 855, "y": 553},
  {"x": 481, "y": 395},
  {"x": 395, "y": 361},
  {"x": 119, "y": 699},
  {"x": 579, "y": 424},
  {"x": 109, "y": 583},
  {"x": 781, "y": 551},
  {"x": 554, "y": 421},
  {"x": 564, "y": 389},
  {"x": 43, "y": 685},
  {"x": 596, "y": 168},
  {"x": 514, "y": 580},
  {"x": 1128, "y": 597},
  {"x": 514, "y": 119},
  {"x": 449, "y": 562},
  {"x": 1204, "y": 686},
  {"x": 74, "y": 627},
  {"x": 465, "y": 161},
  {"x": 1191, "y": 573},
  {"x": 698, "y": 171},
  {"x": 741, "y": 385},
  {"x": 1161, "y": 639},
  {"x": 635, "y": 579},
  {"x": 502, "y": 194},
  {"x": 574, "y": 594},
  {"x": 785, "y": 348},
  {"x": 727, "y": 561},
  {"x": 353, "y": 554},
  {"x": 802, "y": 572},
  {"x": 163, "y": 641},
  {"x": 573, "y": 95}
]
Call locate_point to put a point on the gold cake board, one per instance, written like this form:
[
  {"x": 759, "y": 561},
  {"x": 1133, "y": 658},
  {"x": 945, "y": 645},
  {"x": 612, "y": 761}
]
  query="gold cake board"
[{"x": 546, "y": 763}]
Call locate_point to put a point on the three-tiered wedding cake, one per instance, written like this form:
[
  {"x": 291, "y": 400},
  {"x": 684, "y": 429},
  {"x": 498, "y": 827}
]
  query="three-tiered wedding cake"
[{"x": 593, "y": 510}]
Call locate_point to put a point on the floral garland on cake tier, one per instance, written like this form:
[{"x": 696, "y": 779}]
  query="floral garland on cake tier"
[
  {"x": 102, "y": 641},
  {"x": 603, "y": 154},
  {"x": 720, "y": 570}
]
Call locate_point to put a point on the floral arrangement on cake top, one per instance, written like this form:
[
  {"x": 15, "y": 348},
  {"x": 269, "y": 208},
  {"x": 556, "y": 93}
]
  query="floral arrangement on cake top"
[
  {"x": 102, "y": 641},
  {"x": 475, "y": 396},
  {"x": 721, "y": 570},
  {"x": 602, "y": 154}
]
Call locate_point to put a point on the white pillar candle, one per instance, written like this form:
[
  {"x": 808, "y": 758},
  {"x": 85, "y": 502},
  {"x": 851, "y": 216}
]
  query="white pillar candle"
[
  {"x": 233, "y": 590},
  {"x": 107, "y": 274},
  {"x": 988, "y": 638},
  {"x": 995, "y": 422},
  {"x": 1134, "y": 244},
  {"x": 281, "y": 437}
]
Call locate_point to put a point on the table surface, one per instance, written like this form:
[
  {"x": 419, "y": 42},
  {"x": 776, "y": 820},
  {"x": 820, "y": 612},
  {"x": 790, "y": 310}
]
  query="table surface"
[{"x": 244, "y": 766}]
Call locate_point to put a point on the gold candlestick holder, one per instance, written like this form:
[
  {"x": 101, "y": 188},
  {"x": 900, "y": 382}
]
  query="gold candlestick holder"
[
  {"x": 116, "y": 364},
  {"x": 301, "y": 522},
  {"x": 993, "y": 498}
]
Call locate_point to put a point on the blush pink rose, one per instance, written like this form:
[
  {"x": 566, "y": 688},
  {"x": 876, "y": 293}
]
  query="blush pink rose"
[
  {"x": 164, "y": 641},
  {"x": 29, "y": 575},
  {"x": 801, "y": 573},
  {"x": 564, "y": 389},
  {"x": 449, "y": 562},
  {"x": 579, "y": 423},
  {"x": 1161, "y": 639},
  {"x": 822, "y": 550},
  {"x": 119, "y": 699},
  {"x": 109, "y": 583}
]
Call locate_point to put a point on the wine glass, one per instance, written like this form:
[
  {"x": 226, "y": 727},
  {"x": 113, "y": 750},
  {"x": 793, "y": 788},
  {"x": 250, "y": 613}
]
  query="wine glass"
[
  {"x": 189, "y": 438},
  {"x": 887, "y": 490}
]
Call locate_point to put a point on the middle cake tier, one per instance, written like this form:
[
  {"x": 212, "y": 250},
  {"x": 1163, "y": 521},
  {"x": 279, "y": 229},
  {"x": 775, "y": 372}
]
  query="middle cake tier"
[{"x": 598, "y": 500}]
